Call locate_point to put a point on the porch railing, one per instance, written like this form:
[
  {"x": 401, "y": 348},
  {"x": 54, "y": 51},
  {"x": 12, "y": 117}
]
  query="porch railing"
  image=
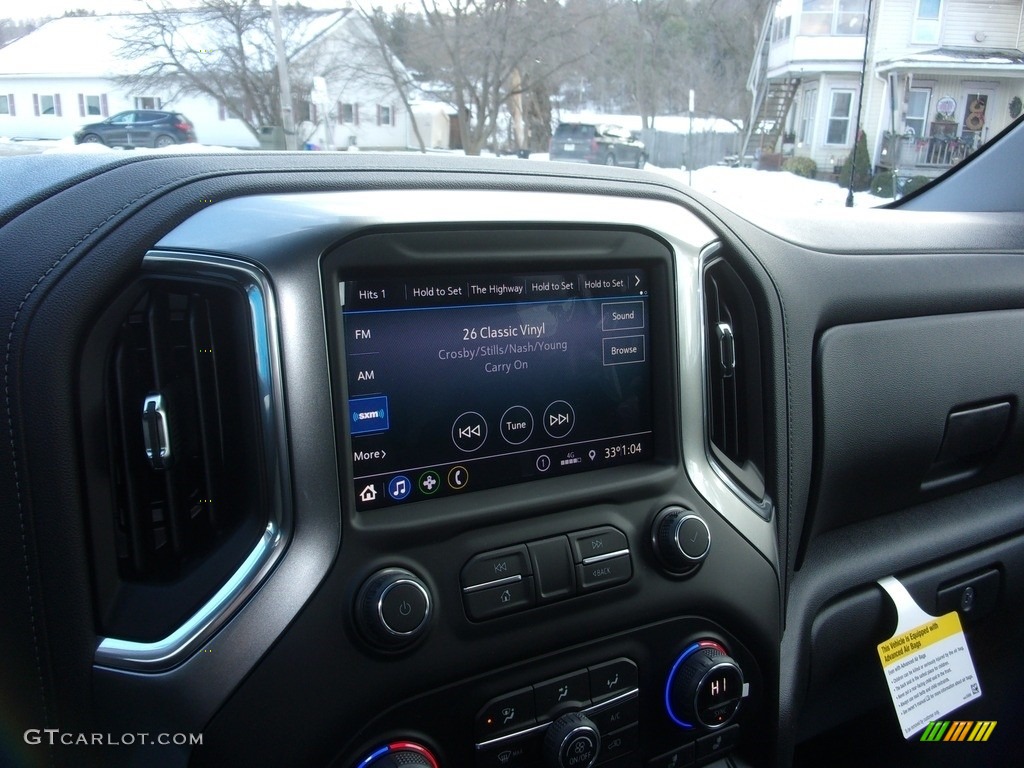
[{"x": 911, "y": 151}]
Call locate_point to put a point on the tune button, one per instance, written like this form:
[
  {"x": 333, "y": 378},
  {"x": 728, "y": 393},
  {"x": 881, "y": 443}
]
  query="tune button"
[{"x": 681, "y": 540}]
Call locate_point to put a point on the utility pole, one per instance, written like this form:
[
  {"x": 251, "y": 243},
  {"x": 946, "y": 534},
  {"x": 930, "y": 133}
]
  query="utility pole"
[
  {"x": 689, "y": 144},
  {"x": 287, "y": 118}
]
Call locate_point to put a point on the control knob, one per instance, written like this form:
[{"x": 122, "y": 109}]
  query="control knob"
[
  {"x": 393, "y": 608},
  {"x": 572, "y": 741},
  {"x": 400, "y": 754},
  {"x": 681, "y": 539},
  {"x": 705, "y": 687}
]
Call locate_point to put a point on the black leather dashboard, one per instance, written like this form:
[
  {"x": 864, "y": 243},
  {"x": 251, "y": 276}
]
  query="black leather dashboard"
[{"x": 294, "y": 658}]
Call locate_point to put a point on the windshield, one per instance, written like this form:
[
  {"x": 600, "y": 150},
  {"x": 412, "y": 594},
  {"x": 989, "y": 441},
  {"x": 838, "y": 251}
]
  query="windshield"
[{"x": 796, "y": 103}]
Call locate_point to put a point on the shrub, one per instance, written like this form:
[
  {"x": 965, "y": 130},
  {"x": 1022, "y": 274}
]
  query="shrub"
[
  {"x": 769, "y": 161},
  {"x": 860, "y": 168},
  {"x": 881, "y": 184},
  {"x": 801, "y": 166}
]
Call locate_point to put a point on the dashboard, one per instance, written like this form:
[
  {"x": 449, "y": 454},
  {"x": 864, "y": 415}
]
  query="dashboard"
[{"x": 374, "y": 461}]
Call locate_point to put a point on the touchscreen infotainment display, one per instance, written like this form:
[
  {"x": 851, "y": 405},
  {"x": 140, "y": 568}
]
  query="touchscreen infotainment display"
[{"x": 459, "y": 384}]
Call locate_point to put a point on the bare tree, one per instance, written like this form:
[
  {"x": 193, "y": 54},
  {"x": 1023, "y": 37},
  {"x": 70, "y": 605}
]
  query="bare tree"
[
  {"x": 723, "y": 37},
  {"x": 225, "y": 49},
  {"x": 483, "y": 54},
  {"x": 380, "y": 62}
]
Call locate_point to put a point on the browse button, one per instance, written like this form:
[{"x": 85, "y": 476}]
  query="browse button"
[{"x": 621, "y": 350}]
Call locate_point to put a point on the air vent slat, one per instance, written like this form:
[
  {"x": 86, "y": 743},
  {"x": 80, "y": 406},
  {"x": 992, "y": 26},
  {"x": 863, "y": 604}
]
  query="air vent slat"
[
  {"x": 735, "y": 400},
  {"x": 180, "y": 524}
]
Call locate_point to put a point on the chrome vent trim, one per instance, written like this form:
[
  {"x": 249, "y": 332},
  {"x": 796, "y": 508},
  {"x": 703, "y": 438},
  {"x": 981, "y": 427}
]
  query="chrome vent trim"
[
  {"x": 761, "y": 503},
  {"x": 185, "y": 640}
]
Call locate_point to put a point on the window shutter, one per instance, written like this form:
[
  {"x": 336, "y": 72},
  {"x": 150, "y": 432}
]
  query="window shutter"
[
  {"x": 10, "y": 104},
  {"x": 341, "y": 112},
  {"x": 56, "y": 104},
  {"x": 355, "y": 112},
  {"x": 35, "y": 103},
  {"x": 103, "y": 105},
  {"x": 81, "y": 105},
  {"x": 378, "y": 114},
  {"x": 222, "y": 110}
]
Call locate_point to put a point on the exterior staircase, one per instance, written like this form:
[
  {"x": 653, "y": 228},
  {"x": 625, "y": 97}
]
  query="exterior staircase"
[{"x": 771, "y": 101}]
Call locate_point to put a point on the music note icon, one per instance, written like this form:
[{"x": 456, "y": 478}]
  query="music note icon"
[{"x": 399, "y": 487}]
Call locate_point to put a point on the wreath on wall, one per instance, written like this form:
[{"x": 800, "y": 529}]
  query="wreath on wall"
[{"x": 1015, "y": 107}]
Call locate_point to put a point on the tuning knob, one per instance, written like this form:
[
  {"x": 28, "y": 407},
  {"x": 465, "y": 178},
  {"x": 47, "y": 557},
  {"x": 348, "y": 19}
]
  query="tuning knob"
[
  {"x": 572, "y": 741},
  {"x": 705, "y": 687},
  {"x": 406, "y": 754},
  {"x": 681, "y": 539},
  {"x": 393, "y": 608}
]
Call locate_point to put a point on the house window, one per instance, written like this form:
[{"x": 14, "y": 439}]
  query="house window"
[
  {"x": 7, "y": 104},
  {"x": 833, "y": 17},
  {"x": 46, "y": 104},
  {"x": 917, "y": 111},
  {"x": 926, "y": 22},
  {"x": 781, "y": 25},
  {"x": 839, "y": 118},
  {"x": 809, "y": 103},
  {"x": 384, "y": 115},
  {"x": 348, "y": 113},
  {"x": 91, "y": 105},
  {"x": 147, "y": 102}
]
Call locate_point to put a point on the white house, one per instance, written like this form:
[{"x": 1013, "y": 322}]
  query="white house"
[
  {"x": 942, "y": 77},
  {"x": 65, "y": 74}
]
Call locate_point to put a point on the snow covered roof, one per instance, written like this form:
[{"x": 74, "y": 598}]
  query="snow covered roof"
[
  {"x": 88, "y": 46},
  {"x": 985, "y": 59}
]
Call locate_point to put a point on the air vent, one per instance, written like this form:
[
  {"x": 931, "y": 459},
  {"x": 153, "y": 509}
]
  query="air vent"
[
  {"x": 734, "y": 385},
  {"x": 176, "y": 467}
]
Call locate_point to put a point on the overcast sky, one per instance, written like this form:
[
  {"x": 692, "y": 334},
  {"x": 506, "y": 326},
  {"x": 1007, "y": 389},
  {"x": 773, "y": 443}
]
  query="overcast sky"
[{"x": 39, "y": 9}]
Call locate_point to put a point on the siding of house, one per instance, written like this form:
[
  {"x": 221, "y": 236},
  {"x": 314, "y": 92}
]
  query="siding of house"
[
  {"x": 892, "y": 26},
  {"x": 996, "y": 20}
]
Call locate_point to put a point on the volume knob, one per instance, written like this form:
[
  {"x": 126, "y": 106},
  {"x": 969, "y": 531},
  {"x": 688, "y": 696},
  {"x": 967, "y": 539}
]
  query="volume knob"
[{"x": 393, "y": 608}]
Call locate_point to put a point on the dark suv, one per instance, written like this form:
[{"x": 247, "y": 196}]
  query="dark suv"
[
  {"x": 596, "y": 143},
  {"x": 139, "y": 128}
]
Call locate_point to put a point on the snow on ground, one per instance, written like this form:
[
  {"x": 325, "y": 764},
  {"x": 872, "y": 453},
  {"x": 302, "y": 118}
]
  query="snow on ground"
[{"x": 743, "y": 189}]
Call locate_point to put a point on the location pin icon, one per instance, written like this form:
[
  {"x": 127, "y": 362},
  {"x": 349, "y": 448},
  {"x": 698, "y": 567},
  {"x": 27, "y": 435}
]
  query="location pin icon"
[{"x": 593, "y": 453}]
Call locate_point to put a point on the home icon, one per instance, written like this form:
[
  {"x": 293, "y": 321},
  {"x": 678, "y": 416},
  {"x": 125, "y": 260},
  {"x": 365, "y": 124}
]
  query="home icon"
[{"x": 369, "y": 493}]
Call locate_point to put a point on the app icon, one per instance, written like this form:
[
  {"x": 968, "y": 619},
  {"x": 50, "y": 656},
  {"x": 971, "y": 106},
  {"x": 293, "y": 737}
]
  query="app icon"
[
  {"x": 429, "y": 482},
  {"x": 399, "y": 487}
]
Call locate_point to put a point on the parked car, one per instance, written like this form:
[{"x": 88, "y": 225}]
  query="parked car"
[
  {"x": 597, "y": 143},
  {"x": 139, "y": 128}
]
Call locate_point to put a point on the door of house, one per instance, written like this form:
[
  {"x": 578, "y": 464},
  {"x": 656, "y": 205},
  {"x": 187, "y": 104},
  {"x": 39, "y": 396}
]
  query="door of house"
[{"x": 973, "y": 131}]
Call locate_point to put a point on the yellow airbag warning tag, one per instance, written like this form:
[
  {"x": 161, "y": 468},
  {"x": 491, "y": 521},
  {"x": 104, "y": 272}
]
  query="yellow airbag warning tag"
[{"x": 926, "y": 663}]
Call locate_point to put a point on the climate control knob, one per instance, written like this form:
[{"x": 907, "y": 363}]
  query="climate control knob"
[
  {"x": 681, "y": 538},
  {"x": 705, "y": 687},
  {"x": 572, "y": 741},
  {"x": 393, "y": 608},
  {"x": 400, "y": 754}
]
